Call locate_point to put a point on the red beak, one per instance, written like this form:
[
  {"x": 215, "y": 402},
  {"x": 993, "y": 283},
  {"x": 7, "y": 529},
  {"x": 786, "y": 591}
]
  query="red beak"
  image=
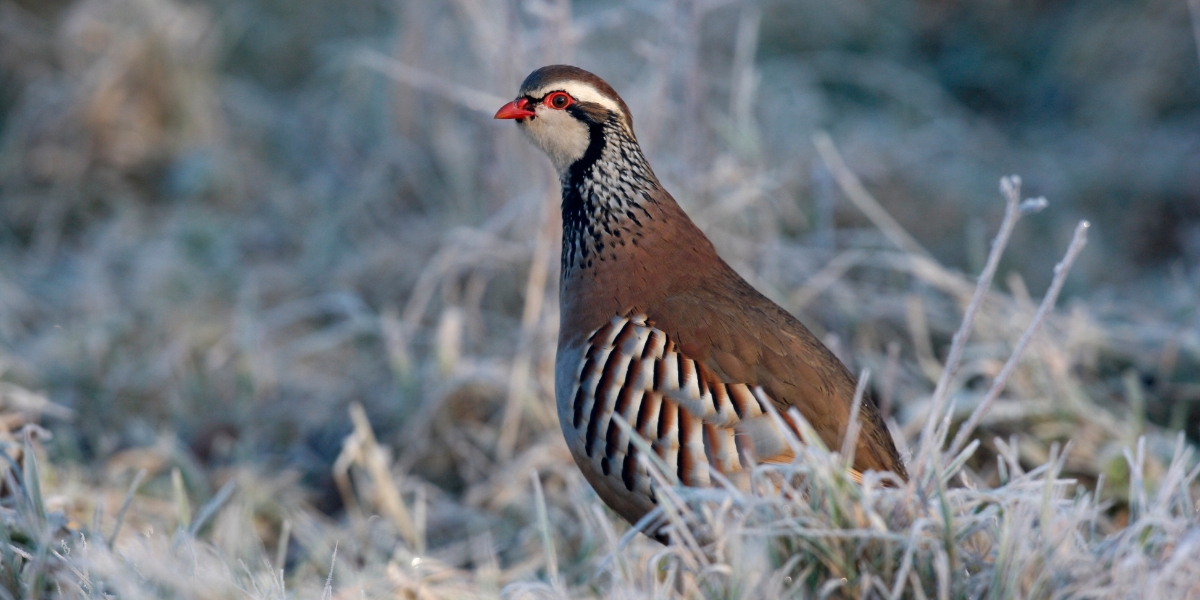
[{"x": 515, "y": 110}]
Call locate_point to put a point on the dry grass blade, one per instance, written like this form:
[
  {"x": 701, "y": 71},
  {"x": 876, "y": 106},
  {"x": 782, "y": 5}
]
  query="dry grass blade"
[
  {"x": 361, "y": 448},
  {"x": 826, "y": 277},
  {"x": 182, "y": 507},
  {"x": 862, "y": 199},
  {"x": 535, "y": 293},
  {"x": 645, "y": 449},
  {"x": 211, "y": 507},
  {"x": 674, "y": 509},
  {"x": 853, "y": 425},
  {"x": 327, "y": 591},
  {"x": 281, "y": 549},
  {"x": 473, "y": 99},
  {"x": 547, "y": 537},
  {"x": 31, "y": 477},
  {"x": 133, "y": 488}
]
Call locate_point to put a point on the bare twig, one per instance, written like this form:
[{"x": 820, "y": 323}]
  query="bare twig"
[
  {"x": 428, "y": 82},
  {"x": 862, "y": 199},
  {"x": 1078, "y": 241},
  {"x": 1011, "y": 188},
  {"x": 1194, "y": 8},
  {"x": 826, "y": 277}
]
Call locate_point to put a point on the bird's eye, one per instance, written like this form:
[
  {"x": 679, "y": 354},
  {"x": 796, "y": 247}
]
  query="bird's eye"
[{"x": 558, "y": 100}]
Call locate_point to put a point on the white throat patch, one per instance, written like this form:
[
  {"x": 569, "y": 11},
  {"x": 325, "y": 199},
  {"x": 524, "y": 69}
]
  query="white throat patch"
[{"x": 559, "y": 134}]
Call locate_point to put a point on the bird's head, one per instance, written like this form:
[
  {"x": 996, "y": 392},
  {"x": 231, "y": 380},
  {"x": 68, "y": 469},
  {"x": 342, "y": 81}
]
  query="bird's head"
[{"x": 563, "y": 109}]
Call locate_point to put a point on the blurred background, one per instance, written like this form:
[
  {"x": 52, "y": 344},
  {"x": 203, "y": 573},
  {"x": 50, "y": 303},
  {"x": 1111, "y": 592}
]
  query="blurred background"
[{"x": 223, "y": 222}]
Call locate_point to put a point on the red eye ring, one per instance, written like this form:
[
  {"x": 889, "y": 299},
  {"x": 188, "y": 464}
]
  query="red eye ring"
[{"x": 558, "y": 100}]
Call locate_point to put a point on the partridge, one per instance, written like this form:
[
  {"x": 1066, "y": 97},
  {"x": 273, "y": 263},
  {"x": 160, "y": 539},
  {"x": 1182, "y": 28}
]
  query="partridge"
[{"x": 657, "y": 328}]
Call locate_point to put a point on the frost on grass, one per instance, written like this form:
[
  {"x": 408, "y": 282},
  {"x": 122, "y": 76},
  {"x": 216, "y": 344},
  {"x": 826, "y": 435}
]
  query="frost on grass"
[
  {"x": 801, "y": 530},
  {"x": 222, "y": 282}
]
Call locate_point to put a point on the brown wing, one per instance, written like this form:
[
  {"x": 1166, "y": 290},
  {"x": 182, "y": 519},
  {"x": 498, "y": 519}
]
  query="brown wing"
[
  {"x": 693, "y": 420},
  {"x": 696, "y": 418},
  {"x": 746, "y": 338}
]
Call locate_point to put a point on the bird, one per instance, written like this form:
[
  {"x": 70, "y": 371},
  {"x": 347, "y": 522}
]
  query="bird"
[{"x": 658, "y": 331}]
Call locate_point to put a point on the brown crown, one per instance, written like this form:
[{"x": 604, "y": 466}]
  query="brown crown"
[{"x": 552, "y": 74}]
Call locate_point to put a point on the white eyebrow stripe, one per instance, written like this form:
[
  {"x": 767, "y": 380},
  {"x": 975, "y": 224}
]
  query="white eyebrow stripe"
[{"x": 581, "y": 92}]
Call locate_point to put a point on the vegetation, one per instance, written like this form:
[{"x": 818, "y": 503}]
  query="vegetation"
[{"x": 278, "y": 298}]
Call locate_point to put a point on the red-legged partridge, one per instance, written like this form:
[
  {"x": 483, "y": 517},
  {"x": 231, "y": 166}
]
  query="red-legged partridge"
[{"x": 659, "y": 329}]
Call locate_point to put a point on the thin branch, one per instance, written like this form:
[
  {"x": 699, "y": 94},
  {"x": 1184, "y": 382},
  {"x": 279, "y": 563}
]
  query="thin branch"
[
  {"x": 1011, "y": 188},
  {"x": 1078, "y": 241}
]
